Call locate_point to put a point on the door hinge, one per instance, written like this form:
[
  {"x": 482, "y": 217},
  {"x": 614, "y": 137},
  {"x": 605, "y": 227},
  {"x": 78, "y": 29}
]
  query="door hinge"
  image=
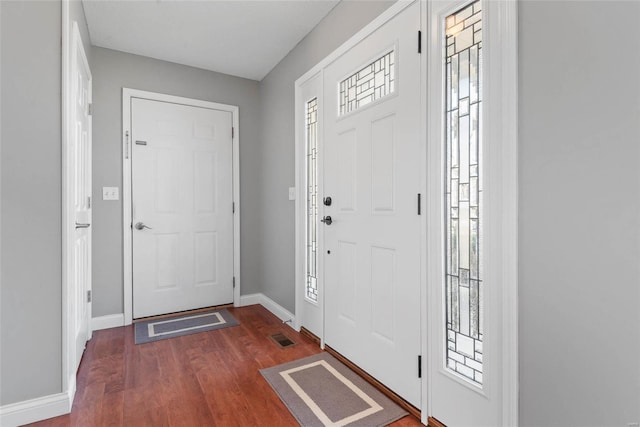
[
  {"x": 234, "y": 282},
  {"x": 419, "y": 366},
  {"x": 90, "y": 109},
  {"x": 126, "y": 145},
  {"x": 419, "y": 204},
  {"x": 88, "y": 202},
  {"x": 233, "y": 132},
  {"x": 89, "y": 296},
  {"x": 419, "y": 41}
]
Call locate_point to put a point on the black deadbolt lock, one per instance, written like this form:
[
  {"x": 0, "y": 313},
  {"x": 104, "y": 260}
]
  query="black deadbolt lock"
[{"x": 327, "y": 201}]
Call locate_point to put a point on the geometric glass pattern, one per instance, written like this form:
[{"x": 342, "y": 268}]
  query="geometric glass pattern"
[
  {"x": 463, "y": 266},
  {"x": 312, "y": 199},
  {"x": 370, "y": 83}
]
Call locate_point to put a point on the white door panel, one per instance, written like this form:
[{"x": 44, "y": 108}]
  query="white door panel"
[
  {"x": 79, "y": 162},
  {"x": 182, "y": 190},
  {"x": 372, "y": 172}
]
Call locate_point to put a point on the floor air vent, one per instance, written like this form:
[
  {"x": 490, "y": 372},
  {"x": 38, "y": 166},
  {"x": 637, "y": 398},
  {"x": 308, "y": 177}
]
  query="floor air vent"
[{"x": 282, "y": 340}]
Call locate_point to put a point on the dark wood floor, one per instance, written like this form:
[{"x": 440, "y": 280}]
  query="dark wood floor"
[{"x": 205, "y": 379}]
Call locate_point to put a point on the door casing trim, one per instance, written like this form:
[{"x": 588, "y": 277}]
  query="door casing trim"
[
  {"x": 68, "y": 375},
  {"x": 127, "y": 231}
]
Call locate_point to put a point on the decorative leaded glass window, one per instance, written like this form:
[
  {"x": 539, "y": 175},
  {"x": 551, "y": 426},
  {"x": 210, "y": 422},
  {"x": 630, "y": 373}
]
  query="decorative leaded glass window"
[
  {"x": 463, "y": 178},
  {"x": 312, "y": 199},
  {"x": 370, "y": 83}
]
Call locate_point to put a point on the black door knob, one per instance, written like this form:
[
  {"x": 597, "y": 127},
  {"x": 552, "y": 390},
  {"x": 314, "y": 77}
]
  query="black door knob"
[{"x": 327, "y": 220}]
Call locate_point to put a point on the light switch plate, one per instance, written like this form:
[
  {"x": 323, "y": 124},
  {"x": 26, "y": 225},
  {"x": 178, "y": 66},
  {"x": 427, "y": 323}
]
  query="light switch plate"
[
  {"x": 292, "y": 193},
  {"x": 110, "y": 193}
]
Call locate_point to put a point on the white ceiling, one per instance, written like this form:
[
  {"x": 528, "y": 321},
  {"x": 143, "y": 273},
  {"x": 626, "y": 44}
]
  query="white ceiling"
[{"x": 237, "y": 37}]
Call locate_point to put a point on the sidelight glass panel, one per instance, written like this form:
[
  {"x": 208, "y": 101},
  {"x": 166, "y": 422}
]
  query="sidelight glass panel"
[
  {"x": 463, "y": 201},
  {"x": 312, "y": 199},
  {"x": 368, "y": 84}
]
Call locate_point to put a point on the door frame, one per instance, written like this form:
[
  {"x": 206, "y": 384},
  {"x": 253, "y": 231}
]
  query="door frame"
[
  {"x": 300, "y": 159},
  {"x": 127, "y": 230},
  {"x": 503, "y": 84},
  {"x": 71, "y": 39}
]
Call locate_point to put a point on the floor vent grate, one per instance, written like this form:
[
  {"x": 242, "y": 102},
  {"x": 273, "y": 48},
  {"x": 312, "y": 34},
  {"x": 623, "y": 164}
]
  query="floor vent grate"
[{"x": 282, "y": 340}]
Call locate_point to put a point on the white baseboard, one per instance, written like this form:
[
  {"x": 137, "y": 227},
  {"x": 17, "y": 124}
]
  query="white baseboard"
[
  {"x": 29, "y": 411},
  {"x": 275, "y": 308},
  {"x": 108, "y": 321},
  {"x": 71, "y": 392},
  {"x": 251, "y": 299}
]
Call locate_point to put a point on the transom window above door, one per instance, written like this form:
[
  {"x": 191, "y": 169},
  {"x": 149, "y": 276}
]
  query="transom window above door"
[{"x": 372, "y": 82}]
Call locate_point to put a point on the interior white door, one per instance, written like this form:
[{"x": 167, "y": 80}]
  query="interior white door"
[
  {"x": 182, "y": 218},
  {"x": 372, "y": 172},
  {"x": 79, "y": 162}
]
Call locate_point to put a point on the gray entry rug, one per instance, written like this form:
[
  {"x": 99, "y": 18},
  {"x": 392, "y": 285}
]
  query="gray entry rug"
[
  {"x": 321, "y": 391},
  {"x": 186, "y": 324}
]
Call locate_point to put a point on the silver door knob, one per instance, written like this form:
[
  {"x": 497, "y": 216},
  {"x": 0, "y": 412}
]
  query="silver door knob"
[
  {"x": 327, "y": 220},
  {"x": 141, "y": 226}
]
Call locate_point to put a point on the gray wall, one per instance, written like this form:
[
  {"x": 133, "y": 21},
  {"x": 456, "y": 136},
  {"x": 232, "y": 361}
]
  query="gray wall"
[
  {"x": 277, "y": 220},
  {"x": 30, "y": 313},
  {"x": 31, "y": 191},
  {"x": 113, "y": 70},
  {"x": 579, "y": 213},
  {"x": 579, "y": 194},
  {"x": 31, "y": 292}
]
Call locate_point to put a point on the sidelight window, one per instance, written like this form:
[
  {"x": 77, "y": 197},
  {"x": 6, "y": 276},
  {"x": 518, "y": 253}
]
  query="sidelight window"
[
  {"x": 463, "y": 180},
  {"x": 312, "y": 199}
]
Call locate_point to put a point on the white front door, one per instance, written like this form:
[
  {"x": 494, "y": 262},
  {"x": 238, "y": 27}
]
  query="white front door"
[
  {"x": 372, "y": 172},
  {"x": 79, "y": 161},
  {"x": 182, "y": 218}
]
